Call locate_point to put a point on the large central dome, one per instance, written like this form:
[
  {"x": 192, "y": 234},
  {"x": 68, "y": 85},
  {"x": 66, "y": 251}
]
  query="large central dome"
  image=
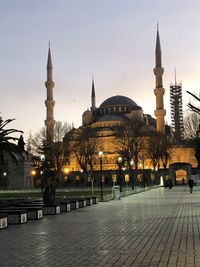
[{"x": 120, "y": 100}]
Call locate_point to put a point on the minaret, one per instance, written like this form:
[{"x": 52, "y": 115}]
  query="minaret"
[
  {"x": 49, "y": 122},
  {"x": 159, "y": 90},
  {"x": 93, "y": 98}
]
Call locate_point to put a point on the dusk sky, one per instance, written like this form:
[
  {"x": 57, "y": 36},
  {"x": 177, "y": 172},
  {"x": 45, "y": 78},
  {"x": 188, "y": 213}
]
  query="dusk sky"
[{"x": 111, "y": 40}]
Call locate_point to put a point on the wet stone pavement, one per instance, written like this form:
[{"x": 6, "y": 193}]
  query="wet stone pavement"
[{"x": 160, "y": 227}]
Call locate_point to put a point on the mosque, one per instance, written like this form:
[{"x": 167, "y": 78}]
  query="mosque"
[{"x": 117, "y": 111}]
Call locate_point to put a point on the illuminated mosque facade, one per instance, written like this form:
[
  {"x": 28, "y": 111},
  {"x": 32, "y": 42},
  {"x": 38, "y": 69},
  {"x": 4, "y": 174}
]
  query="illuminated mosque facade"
[{"x": 117, "y": 111}]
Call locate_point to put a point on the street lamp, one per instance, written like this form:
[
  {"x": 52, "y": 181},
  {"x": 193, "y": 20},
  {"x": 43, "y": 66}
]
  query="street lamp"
[
  {"x": 42, "y": 157},
  {"x": 101, "y": 172},
  {"x": 81, "y": 177},
  {"x": 142, "y": 166},
  {"x": 132, "y": 179},
  {"x": 42, "y": 171},
  {"x": 33, "y": 175},
  {"x": 120, "y": 172},
  {"x": 66, "y": 170},
  {"x": 33, "y": 172},
  {"x": 152, "y": 175}
]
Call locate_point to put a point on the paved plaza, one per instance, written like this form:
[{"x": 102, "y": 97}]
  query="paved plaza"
[{"x": 160, "y": 227}]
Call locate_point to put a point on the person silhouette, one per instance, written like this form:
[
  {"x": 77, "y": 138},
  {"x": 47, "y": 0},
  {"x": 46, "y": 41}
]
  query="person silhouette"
[{"x": 191, "y": 184}]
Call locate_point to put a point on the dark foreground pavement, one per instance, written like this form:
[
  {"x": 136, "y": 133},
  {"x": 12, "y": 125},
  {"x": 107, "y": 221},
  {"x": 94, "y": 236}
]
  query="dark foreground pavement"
[{"x": 160, "y": 227}]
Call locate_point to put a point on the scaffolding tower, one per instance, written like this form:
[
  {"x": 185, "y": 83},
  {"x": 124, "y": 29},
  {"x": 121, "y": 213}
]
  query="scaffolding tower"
[{"x": 176, "y": 105}]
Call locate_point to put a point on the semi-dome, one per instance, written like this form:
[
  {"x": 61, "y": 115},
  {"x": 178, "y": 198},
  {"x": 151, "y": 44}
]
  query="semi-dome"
[
  {"x": 120, "y": 100},
  {"x": 87, "y": 112},
  {"x": 87, "y": 117}
]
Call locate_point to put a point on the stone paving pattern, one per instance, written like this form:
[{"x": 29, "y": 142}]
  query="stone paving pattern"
[{"x": 160, "y": 227}]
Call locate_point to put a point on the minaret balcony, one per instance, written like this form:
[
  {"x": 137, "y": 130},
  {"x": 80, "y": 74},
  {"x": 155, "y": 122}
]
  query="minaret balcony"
[
  {"x": 160, "y": 113},
  {"x": 50, "y": 122},
  {"x": 49, "y": 103},
  {"x": 158, "y": 71},
  {"x": 49, "y": 84},
  {"x": 159, "y": 91}
]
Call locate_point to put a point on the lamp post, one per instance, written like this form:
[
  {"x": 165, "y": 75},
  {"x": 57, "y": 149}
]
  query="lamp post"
[
  {"x": 132, "y": 179},
  {"x": 124, "y": 176},
  {"x": 101, "y": 173},
  {"x": 65, "y": 171},
  {"x": 120, "y": 172},
  {"x": 33, "y": 174},
  {"x": 42, "y": 157},
  {"x": 42, "y": 167},
  {"x": 81, "y": 177},
  {"x": 152, "y": 175},
  {"x": 142, "y": 166}
]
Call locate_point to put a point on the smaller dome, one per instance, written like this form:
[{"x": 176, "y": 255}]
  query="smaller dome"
[
  {"x": 87, "y": 112},
  {"x": 87, "y": 117}
]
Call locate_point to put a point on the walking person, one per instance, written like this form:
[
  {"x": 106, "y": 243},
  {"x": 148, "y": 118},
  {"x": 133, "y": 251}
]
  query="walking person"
[
  {"x": 170, "y": 184},
  {"x": 191, "y": 184}
]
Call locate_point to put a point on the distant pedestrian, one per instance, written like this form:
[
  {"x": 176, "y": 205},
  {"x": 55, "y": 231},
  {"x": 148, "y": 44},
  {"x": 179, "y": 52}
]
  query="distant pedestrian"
[
  {"x": 166, "y": 184},
  {"x": 170, "y": 184},
  {"x": 53, "y": 190},
  {"x": 191, "y": 184},
  {"x": 46, "y": 196}
]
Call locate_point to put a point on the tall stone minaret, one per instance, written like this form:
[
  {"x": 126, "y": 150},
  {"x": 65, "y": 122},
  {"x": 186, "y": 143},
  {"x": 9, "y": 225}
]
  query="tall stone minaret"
[
  {"x": 93, "y": 97},
  {"x": 49, "y": 102},
  {"x": 159, "y": 90}
]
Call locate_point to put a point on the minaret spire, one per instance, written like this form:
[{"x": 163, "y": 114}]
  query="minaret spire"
[
  {"x": 158, "y": 50},
  {"x": 159, "y": 90},
  {"x": 49, "y": 102},
  {"x": 49, "y": 61},
  {"x": 93, "y": 97}
]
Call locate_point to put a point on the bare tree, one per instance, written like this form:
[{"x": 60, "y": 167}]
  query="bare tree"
[
  {"x": 60, "y": 129},
  {"x": 53, "y": 157},
  {"x": 159, "y": 150},
  {"x": 154, "y": 149},
  {"x": 130, "y": 143},
  {"x": 166, "y": 151},
  {"x": 130, "y": 146},
  {"x": 85, "y": 147},
  {"x": 192, "y": 132},
  {"x": 60, "y": 151},
  {"x": 191, "y": 125},
  {"x": 34, "y": 144},
  {"x": 57, "y": 152},
  {"x": 192, "y": 106},
  {"x": 196, "y": 140}
]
